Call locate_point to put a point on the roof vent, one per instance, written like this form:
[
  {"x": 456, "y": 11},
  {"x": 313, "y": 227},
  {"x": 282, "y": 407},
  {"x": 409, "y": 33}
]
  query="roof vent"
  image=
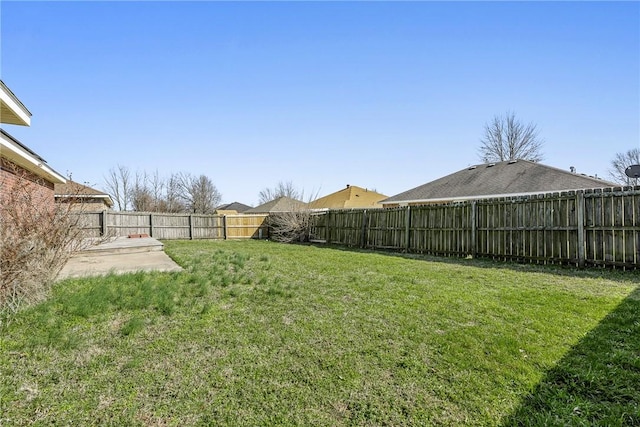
[
  {"x": 472, "y": 168},
  {"x": 572, "y": 169},
  {"x": 512, "y": 162},
  {"x": 490, "y": 165}
]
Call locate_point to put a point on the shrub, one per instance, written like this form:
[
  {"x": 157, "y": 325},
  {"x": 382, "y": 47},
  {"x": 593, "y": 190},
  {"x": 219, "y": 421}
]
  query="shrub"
[
  {"x": 289, "y": 227},
  {"x": 37, "y": 237}
]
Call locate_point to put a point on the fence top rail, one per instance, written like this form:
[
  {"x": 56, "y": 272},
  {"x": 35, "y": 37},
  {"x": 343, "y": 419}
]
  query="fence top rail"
[
  {"x": 178, "y": 214},
  {"x": 556, "y": 195},
  {"x": 354, "y": 209}
]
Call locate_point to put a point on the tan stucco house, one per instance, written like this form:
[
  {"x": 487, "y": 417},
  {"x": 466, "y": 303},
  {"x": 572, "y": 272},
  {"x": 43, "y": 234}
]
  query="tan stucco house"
[{"x": 351, "y": 197}]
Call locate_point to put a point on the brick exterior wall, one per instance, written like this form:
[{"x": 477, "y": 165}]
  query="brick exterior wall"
[{"x": 15, "y": 180}]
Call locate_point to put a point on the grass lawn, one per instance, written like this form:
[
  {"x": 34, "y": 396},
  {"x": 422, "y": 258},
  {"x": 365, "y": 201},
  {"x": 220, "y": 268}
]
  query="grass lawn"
[{"x": 260, "y": 333}]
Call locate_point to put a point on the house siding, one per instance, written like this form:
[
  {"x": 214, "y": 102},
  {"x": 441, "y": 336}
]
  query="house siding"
[{"x": 352, "y": 197}]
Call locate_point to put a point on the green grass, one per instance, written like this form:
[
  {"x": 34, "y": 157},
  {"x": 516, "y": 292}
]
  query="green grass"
[{"x": 259, "y": 333}]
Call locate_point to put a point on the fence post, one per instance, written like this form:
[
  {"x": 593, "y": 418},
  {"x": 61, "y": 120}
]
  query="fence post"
[
  {"x": 328, "y": 225},
  {"x": 363, "y": 234},
  {"x": 151, "y": 224},
  {"x": 224, "y": 227},
  {"x": 190, "y": 227},
  {"x": 474, "y": 232},
  {"x": 407, "y": 229},
  {"x": 266, "y": 220},
  {"x": 103, "y": 226},
  {"x": 581, "y": 230}
]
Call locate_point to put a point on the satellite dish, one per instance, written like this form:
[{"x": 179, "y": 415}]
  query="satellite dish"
[{"x": 633, "y": 171}]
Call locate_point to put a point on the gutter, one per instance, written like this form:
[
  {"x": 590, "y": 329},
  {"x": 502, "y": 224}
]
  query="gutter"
[
  {"x": 467, "y": 198},
  {"x": 28, "y": 159}
]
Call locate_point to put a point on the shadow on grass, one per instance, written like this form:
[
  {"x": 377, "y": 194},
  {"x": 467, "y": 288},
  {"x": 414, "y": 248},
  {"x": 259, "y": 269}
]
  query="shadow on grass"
[
  {"x": 597, "y": 382},
  {"x": 632, "y": 276}
]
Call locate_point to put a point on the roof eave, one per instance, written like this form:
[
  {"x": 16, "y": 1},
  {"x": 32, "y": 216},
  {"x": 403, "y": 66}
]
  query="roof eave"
[
  {"x": 12, "y": 111},
  {"x": 17, "y": 154},
  {"x": 105, "y": 197},
  {"x": 482, "y": 197}
]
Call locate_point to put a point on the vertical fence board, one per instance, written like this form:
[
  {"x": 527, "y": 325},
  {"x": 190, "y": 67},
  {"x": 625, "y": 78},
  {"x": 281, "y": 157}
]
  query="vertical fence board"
[{"x": 166, "y": 226}]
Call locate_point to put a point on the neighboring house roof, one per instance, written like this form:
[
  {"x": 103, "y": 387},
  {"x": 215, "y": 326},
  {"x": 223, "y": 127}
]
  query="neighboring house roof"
[
  {"x": 72, "y": 189},
  {"x": 281, "y": 204},
  {"x": 12, "y": 111},
  {"x": 349, "y": 197},
  {"x": 235, "y": 206},
  {"x": 18, "y": 153},
  {"x": 501, "y": 179}
]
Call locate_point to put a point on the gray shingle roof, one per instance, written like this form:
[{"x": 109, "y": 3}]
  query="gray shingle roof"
[
  {"x": 499, "y": 179},
  {"x": 235, "y": 206},
  {"x": 75, "y": 189},
  {"x": 281, "y": 204}
]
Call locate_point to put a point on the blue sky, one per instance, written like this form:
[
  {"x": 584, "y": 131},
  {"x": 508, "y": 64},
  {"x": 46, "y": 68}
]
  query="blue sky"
[{"x": 381, "y": 95}]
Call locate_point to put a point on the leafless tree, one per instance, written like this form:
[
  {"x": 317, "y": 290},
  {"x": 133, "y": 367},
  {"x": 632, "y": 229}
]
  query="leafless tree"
[
  {"x": 118, "y": 186},
  {"x": 621, "y": 162},
  {"x": 506, "y": 138},
  {"x": 141, "y": 198},
  {"x": 199, "y": 193},
  {"x": 147, "y": 194},
  {"x": 286, "y": 189},
  {"x": 156, "y": 189},
  {"x": 181, "y": 192},
  {"x": 173, "y": 201}
]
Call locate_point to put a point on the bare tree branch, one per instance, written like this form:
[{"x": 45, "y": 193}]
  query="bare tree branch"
[
  {"x": 506, "y": 138},
  {"x": 141, "y": 199},
  {"x": 173, "y": 199},
  {"x": 286, "y": 189},
  {"x": 182, "y": 192},
  {"x": 118, "y": 186},
  {"x": 290, "y": 227},
  {"x": 37, "y": 237},
  {"x": 198, "y": 193},
  {"x": 621, "y": 162},
  {"x": 157, "y": 186}
]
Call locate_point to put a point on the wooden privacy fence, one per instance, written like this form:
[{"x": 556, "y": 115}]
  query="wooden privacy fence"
[
  {"x": 593, "y": 227},
  {"x": 174, "y": 226}
]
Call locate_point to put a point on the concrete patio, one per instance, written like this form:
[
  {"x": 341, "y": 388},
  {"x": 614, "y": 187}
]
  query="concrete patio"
[{"x": 119, "y": 255}]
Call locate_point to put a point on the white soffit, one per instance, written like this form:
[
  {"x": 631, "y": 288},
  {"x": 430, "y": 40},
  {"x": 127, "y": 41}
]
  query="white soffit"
[
  {"x": 23, "y": 158},
  {"x": 12, "y": 111}
]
